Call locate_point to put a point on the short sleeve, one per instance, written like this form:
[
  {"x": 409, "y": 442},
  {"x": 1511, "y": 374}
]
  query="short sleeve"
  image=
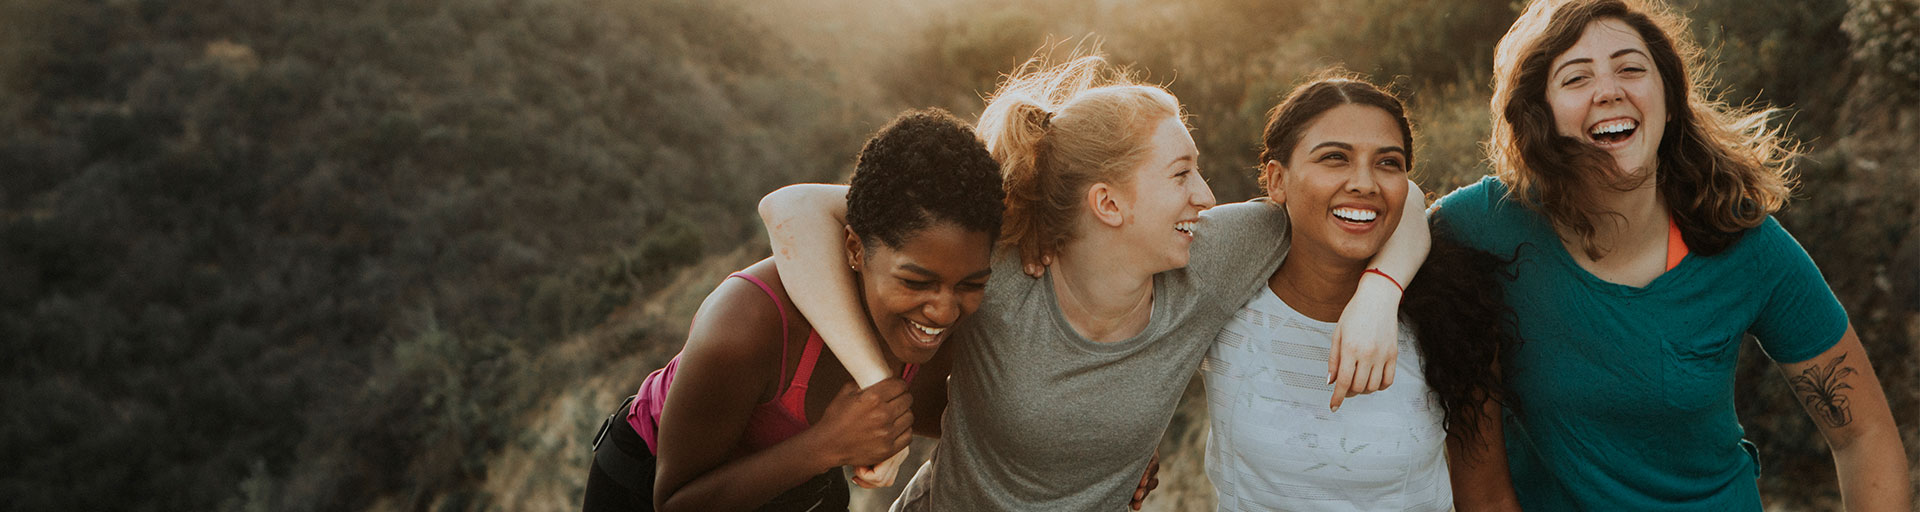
[
  {"x": 1801, "y": 317},
  {"x": 1237, "y": 244},
  {"x": 1466, "y": 214}
]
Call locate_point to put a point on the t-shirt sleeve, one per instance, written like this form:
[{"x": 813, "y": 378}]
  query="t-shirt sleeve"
[
  {"x": 1466, "y": 214},
  {"x": 1801, "y": 317},
  {"x": 1237, "y": 246}
]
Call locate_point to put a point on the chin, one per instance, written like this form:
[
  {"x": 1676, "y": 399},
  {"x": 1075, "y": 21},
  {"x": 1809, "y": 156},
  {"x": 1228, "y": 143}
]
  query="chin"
[
  {"x": 914, "y": 356},
  {"x": 1179, "y": 262},
  {"x": 1360, "y": 251}
]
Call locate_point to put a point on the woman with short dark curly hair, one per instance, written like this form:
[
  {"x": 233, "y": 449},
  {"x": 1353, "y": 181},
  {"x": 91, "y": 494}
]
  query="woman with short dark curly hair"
[
  {"x": 1639, "y": 211},
  {"x": 756, "y": 412}
]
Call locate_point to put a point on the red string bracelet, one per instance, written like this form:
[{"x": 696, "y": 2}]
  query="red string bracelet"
[{"x": 1390, "y": 279}]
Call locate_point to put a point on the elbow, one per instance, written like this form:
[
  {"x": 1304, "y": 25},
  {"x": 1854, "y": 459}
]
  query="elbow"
[
  {"x": 779, "y": 200},
  {"x": 1864, "y": 436}
]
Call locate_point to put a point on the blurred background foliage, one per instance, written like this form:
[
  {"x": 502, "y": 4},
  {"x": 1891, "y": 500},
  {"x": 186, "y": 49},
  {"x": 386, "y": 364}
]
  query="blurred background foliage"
[{"x": 306, "y": 255}]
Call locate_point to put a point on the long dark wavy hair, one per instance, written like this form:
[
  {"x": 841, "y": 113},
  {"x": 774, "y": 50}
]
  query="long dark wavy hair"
[
  {"x": 1721, "y": 169},
  {"x": 1457, "y": 307},
  {"x": 1458, "y": 310}
]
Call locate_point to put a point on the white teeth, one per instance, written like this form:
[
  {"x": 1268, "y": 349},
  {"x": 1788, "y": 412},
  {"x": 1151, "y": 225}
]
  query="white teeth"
[
  {"x": 930, "y": 331},
  {"x": 1615, "y": 127},
  {"x": 1184, "y": 227},
  {"x": 1355, "y": 214}
]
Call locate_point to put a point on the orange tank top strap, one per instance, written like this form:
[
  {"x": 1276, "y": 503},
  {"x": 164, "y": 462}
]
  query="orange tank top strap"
[{"x": 1676, "y": 245}]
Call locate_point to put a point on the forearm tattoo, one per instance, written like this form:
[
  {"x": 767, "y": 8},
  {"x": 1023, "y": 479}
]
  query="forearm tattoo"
[{"x": 1819, "y": 388}]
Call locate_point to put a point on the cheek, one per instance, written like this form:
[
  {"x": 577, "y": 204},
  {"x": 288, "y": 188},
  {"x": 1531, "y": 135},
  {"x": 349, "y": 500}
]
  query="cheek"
[
  {"x": 1394, "y": 187},
  {"x": 1568, "y": 113},
  {"x": 885, "y": 301},
  {"x": 970, "y": 302}
]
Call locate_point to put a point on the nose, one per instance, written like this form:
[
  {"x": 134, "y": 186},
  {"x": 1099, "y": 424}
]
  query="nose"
[
  {"x": 1607, "y": 90},
  {"x": 1362, "y": 181},
  {"x": 943, "y": 309},
  {"x": 1200, "y": 194}
]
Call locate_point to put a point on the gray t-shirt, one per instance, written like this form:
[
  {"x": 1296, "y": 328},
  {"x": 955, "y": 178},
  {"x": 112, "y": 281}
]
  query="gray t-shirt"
[{"x": 1041, "y": 418}]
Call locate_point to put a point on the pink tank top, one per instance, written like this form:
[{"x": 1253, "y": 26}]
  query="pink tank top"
[{"x": 771, "y": 422}]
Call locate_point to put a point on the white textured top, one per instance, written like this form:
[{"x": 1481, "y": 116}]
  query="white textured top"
[{"x": 1274, "y": 445}]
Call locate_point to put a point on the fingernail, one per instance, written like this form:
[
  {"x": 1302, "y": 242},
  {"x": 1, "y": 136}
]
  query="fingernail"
[{"x": 1334, "y": 409}]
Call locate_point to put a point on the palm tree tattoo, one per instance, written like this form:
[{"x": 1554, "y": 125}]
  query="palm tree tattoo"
[{"x": 1820, "y": 387}]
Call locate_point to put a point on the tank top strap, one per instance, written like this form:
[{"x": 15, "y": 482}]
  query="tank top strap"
[
  {"x": 795, "y": 403},
  {"x": 1676, "y": 244},
  {"x": 778, "y": 306}
]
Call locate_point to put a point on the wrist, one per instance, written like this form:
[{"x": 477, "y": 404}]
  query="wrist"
[
  {"x": 820, "y": 451},
  {"x": 1382, "y": 274},
  {"x": 1378, "y": 284}
]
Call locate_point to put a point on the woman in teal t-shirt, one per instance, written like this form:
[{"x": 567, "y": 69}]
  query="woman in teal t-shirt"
[{"x": 1639, "y": 213}]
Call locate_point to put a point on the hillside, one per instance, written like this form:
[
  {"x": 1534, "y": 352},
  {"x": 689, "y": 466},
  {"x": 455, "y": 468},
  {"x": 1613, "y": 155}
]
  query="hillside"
[{"x": 302, "y": 255}]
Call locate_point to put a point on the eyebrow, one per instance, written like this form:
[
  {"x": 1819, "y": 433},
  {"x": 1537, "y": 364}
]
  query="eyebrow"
[
  {"x": 1186, "y": 157},
  {"x": 1584, "y": 60},
  {"x": 924, "y": 271},
  {"x": 1341, "y": 145},
  {"x": 1349, "y": 147}
]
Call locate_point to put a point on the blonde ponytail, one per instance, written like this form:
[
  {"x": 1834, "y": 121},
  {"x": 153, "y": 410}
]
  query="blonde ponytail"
[{"x": 1058, "y": 130}]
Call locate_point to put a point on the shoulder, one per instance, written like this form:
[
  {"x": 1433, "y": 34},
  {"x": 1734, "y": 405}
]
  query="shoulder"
[
  {"x": 740, "y": 323},
  {"x": 1239, "y": 227},
  {"x": 1484, "y": 216},
  {"x": 1766, "y": 245},
  {"x": 1473, "y": 201},
  {"x": 1244, "y": 214}
]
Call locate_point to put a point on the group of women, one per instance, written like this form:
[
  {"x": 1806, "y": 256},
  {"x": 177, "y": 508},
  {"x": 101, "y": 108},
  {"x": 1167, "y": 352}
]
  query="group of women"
[{"x": 1036, "y": 290}]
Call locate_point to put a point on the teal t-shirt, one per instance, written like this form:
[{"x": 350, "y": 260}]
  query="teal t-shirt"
[{"x": 1625, "y": 394}]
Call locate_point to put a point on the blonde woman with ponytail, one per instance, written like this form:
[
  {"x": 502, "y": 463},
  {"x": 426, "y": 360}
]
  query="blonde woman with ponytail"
[{"x": 1062, "y": 386}]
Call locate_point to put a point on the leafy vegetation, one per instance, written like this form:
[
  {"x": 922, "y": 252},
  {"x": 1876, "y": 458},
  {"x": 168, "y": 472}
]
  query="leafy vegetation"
[
  {"x": 304, "y": 255},
  {"x": 308, "y": 242}
]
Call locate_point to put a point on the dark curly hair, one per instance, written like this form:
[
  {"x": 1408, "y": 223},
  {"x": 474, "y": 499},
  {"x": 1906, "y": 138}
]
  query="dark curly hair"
[
  {"x": 924, "y": 166},
  {"x": 1462, "y": 326}
]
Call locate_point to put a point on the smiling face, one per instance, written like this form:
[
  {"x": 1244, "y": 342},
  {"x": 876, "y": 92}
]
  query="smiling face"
[
  {"x": 1605, "y": 91},
  {"x": 1344, "y": 183},
  {"x": 915, "y": 293},
  {"x": 1166, "y": 196}
]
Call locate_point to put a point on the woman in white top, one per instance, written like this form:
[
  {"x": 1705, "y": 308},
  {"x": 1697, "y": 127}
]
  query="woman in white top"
[{"x": 1337, "y": 154}]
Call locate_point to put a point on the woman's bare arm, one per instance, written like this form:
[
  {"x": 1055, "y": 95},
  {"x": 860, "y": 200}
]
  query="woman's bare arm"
[
  {"x": 1478, "y": 469},
  {"x": 725, "y": 368},
  {"x": 1366, "y": 341},
  {"x": 807, "y": 225},
  {"x": 1840, "y": 391}
]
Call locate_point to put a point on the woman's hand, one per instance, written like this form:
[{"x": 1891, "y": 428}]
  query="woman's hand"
[
  {"x": 1035, "y": 268},
  {"x": 1366, "y": 342},
  {"x": 867, "y": 426},
  {"x": 1148, "y": 481}
]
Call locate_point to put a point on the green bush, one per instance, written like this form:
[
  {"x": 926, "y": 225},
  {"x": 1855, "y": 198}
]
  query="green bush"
[{"x": 1886, "y": 39}]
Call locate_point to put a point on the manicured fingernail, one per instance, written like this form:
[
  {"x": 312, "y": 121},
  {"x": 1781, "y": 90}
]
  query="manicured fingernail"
[{"x": 1334, "y": 409}]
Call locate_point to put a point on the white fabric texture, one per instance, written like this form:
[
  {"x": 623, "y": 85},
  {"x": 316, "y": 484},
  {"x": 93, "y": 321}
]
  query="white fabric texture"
[{"x": 1275, "y": 446}]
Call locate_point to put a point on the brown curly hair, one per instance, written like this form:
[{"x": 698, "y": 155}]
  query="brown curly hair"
[{"x": 1721, "y": 169}]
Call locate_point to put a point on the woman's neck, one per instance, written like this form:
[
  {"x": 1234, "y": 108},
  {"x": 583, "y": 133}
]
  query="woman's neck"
[
  {"x": 1633, "y": 243},
  {"x": 1318, "y": 286},
  {"x": 1102, "y": 296},
  {"x": 1638, "y": 222}
]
